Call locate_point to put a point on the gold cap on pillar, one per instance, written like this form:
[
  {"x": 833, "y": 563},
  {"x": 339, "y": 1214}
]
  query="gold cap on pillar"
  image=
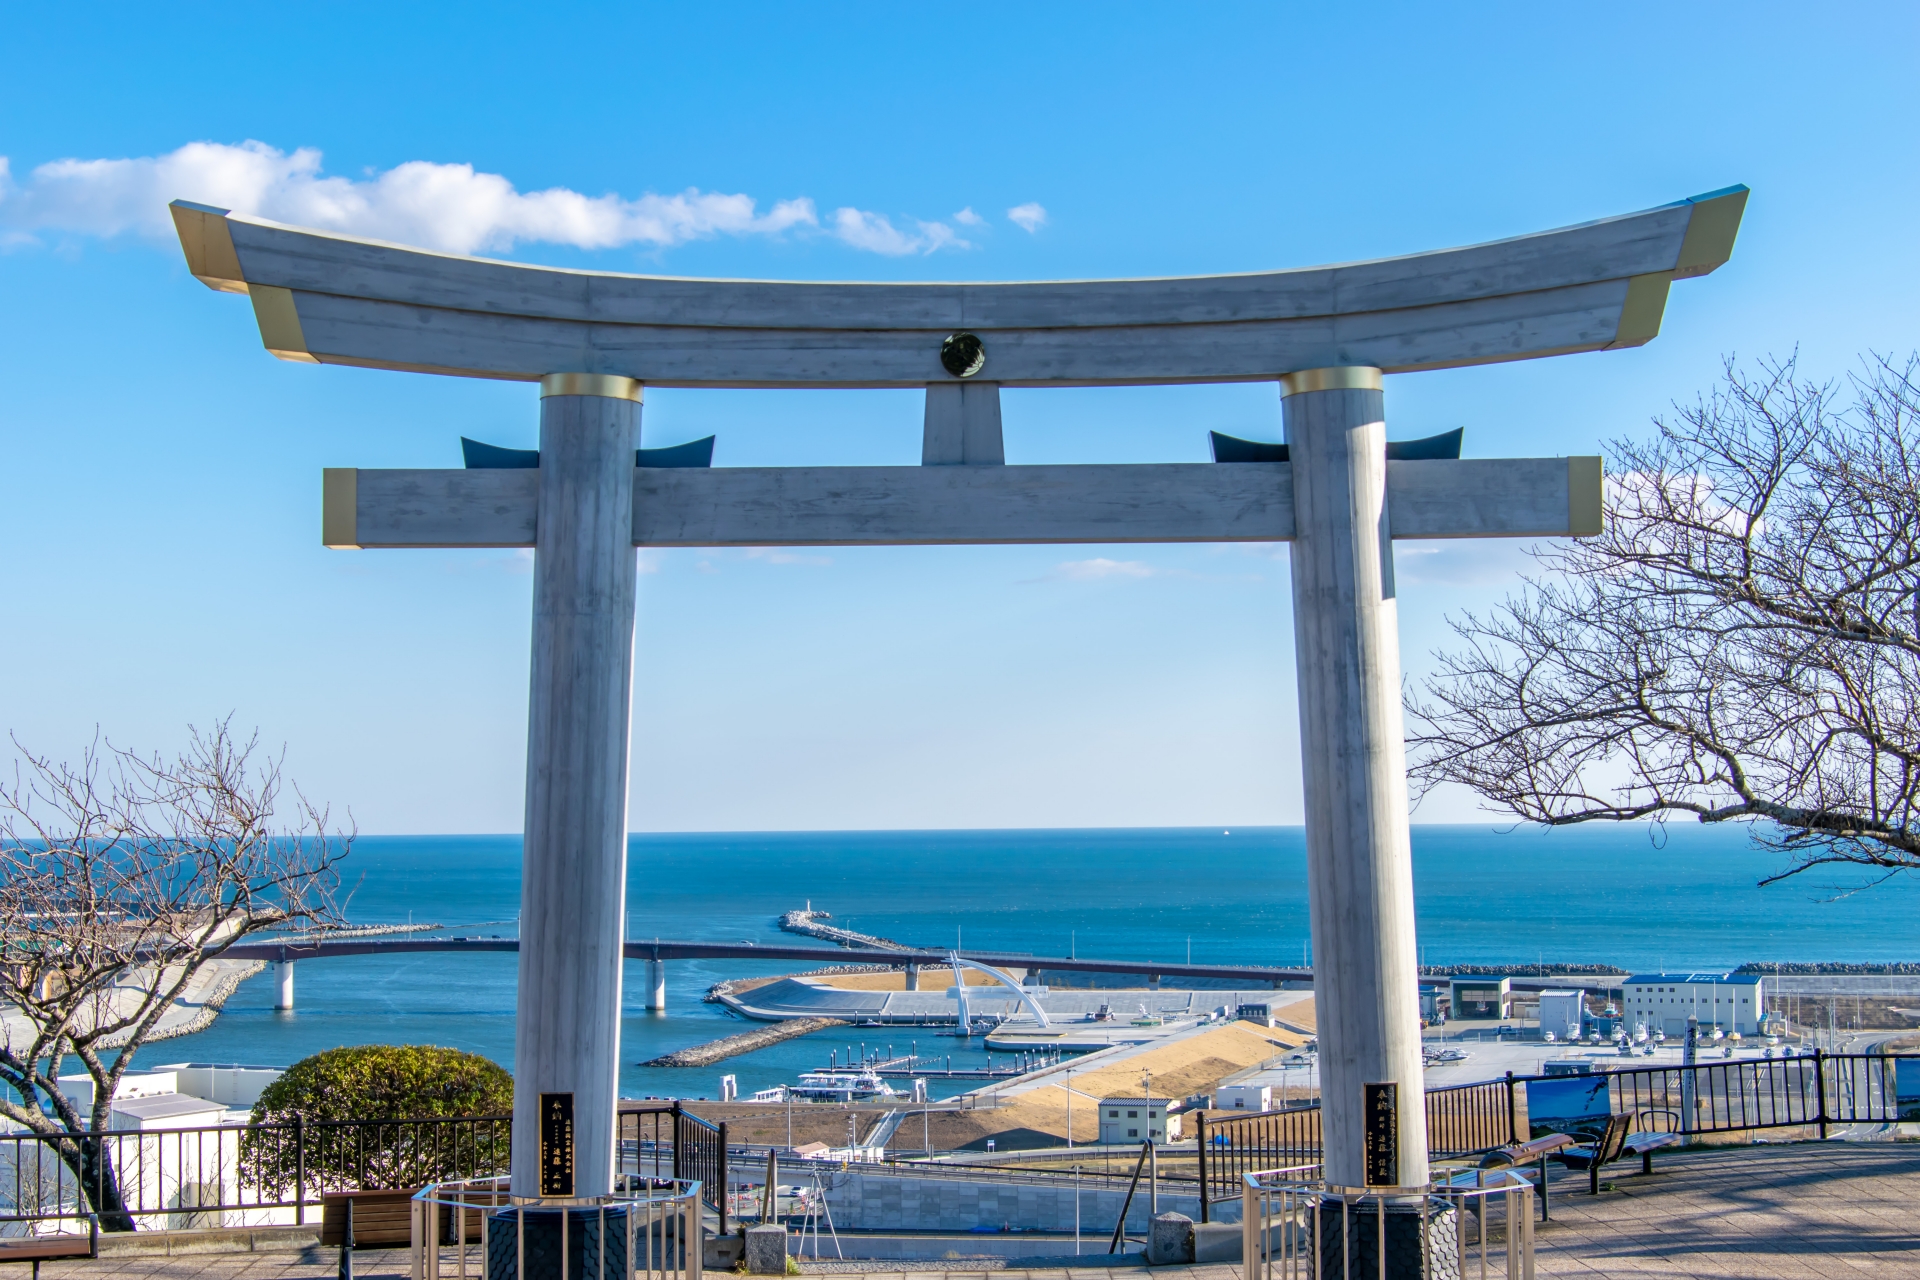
[
  {"x": 1346, "y": 377},
  {"x": 611, "y": 385}
]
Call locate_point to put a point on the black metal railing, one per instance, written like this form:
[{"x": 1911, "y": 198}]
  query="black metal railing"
[
  {"x": 262, "y": 1174},
  {"x": 700, "y": 1153},
  {"x": 1232, "y": 1148},
  {"x": 1465, "y": 1119},
  {"x": 234, "y": 1175},
  {"x": 1817, "y": 1092}
]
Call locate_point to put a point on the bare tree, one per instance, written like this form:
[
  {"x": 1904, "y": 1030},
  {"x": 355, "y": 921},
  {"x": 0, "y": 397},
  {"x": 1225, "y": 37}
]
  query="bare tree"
[
  {"x": 1741, "y": 643},
  {"x": 121, "y": 878}
]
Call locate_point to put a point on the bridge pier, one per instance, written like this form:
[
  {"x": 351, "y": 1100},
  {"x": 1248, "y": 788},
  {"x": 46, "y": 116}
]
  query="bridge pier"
[
  {"x": 283, "y": 984},
  {"x": 913, "y": 977},
  {"x": 657, "y": 986}
]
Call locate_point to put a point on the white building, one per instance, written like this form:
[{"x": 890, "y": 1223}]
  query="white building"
[
  {"x": 1243, "y": 1097},
  {"x": 1663, "y": 1002},
  {"x": 176, "y": 1143},
  {"x": 1136, "y": 1120},
  {"x": 1561, "y": 1012}
]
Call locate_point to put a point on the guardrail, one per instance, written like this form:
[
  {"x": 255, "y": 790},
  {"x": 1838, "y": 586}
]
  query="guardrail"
[
  {"x": 645, "y": 1230},
  {"x": 1295, "y": 1226},
  {"x": 251, "y": 1175},
  {"x": 231, "y": 1175},
  {"x": 1817, "y": 1092}
]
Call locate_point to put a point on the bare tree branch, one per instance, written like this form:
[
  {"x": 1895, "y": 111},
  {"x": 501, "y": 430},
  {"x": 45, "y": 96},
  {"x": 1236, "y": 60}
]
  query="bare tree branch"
[
  {"x": 1740, "y": 643},
  {"x": 121, "y": 879}
]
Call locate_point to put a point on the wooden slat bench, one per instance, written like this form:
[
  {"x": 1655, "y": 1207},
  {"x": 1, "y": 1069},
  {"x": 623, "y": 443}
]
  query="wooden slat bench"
[
  {"x": 38, "y": 1249},
  {"x": 381, "y": 1219}
]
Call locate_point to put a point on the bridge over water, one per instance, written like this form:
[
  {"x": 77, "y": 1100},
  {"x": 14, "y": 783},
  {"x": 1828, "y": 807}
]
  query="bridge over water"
[{"x": 657, "y": 951}]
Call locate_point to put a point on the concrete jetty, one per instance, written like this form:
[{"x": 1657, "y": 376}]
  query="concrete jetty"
[
  {"x": 806, "y": 921},
  {"x": 701, "y": 1055}
]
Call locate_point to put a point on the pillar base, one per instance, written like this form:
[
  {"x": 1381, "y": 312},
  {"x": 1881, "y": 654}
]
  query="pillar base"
[
  {"x": 1421, "y": 1238},
  {"x": 596, "y": 1243}
]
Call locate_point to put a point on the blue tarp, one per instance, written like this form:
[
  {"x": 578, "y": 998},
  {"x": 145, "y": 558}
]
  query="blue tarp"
[{"x": 1568, "y": 1104}]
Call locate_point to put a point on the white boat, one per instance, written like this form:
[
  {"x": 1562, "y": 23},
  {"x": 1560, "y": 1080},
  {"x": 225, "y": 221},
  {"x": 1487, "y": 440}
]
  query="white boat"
[{"x": 841, "y": 1086}]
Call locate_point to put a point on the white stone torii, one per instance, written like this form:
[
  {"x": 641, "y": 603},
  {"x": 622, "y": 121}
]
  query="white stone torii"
[{"x": 1325, "y": 335}]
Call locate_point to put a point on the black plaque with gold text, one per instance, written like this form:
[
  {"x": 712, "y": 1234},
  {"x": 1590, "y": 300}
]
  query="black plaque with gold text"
[
  {"x": 1382, "y": 1111},
  {"x": 556, "y": 1144}
]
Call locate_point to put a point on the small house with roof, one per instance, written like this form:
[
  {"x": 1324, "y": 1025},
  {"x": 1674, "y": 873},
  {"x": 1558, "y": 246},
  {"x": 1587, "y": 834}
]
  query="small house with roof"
[{"x": 1130, "y": 1121}]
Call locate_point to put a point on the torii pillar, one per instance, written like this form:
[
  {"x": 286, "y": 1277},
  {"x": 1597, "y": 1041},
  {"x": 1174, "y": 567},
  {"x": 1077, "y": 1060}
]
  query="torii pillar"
[
  {"x": 574, "y": 869},
  {"x": 1353, "y": 757}
]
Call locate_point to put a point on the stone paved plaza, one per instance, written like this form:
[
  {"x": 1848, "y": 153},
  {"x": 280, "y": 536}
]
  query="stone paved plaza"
[{"x": 1801, "y": 1212}]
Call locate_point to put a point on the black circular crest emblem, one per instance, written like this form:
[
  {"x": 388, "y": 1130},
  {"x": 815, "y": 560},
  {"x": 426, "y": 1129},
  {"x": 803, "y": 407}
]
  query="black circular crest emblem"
[{"x": 963, "y": 354}]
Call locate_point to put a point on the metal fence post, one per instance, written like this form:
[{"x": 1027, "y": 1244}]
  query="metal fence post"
[
  {"x": 299, "y": 1169},
  {"x": 1513, "y": 1112},
  {"x": 346, "y": 1244},
  {"x": 726, "y": 1188},
  {"x": 1820, "y": 1086},
  {"x": 1200, "y": 1132}
]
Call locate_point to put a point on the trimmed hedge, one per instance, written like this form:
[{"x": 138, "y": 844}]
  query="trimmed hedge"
[
  {"x": 380, "y": 1116},
  {"x": 387, "y": 1082}
]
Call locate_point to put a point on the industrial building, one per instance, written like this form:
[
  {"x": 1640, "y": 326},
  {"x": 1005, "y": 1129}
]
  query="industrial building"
[
  {"x": 1480, "y": 996},
  {"x": 1663, "y": 1001}
]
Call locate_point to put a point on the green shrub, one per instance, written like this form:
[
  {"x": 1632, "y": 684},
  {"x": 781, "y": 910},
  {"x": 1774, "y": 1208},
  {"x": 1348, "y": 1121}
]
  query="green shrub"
[{"x": 433, "y": 1104}]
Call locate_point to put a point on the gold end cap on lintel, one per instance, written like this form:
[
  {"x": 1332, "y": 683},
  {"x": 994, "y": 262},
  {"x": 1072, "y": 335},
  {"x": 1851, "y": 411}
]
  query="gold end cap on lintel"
[
  {"x": 340, "y": 508},
  {"x": 208, "y": 243},
  {"x": 1711, "y": 230},
  {"x": 279, "y": 319},
  {"x": 1642, "y": 310},
  {"x": 1346, "y": 377},
  {"x": 1586, "y": 480},
  {"x": 611, "y": 386}
]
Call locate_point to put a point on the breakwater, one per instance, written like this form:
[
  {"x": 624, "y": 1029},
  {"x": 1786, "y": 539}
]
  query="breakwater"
[
  {"x": 704, "y": 1055},
  {"x": 806, "y": 921}
]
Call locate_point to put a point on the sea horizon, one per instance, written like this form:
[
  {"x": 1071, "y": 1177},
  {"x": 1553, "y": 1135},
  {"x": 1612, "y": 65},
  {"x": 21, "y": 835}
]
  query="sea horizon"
[{"x": 1483, "y": 894}]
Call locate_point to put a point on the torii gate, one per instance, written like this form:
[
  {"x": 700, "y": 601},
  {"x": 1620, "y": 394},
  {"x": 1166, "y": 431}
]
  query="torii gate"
[{"x": 1326, "y": 335}]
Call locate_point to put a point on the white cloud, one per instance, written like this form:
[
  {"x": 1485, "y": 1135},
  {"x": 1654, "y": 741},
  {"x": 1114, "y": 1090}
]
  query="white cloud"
[
  {"x": 451, "y": 207},
  {"x": 1029, "y": 216},
  {"x": 1101, "y": 567},
  {"x": 876, "y": 233},
  {"x": 968, "y": 218}
]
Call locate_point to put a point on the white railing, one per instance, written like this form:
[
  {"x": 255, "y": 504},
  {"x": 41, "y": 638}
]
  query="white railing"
[
  {"x": 659, "y": 1220},
  {"x": 1464, "y": 1225}
]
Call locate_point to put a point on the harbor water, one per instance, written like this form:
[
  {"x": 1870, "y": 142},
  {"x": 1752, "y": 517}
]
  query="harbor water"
[{"x": 1687, "y": 899}]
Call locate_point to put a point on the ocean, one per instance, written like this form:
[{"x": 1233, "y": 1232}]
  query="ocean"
[{"x": 1686, "y": 898}]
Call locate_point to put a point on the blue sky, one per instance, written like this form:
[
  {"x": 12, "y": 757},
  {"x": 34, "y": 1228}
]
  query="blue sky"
[{"x": 161, "y": 472}]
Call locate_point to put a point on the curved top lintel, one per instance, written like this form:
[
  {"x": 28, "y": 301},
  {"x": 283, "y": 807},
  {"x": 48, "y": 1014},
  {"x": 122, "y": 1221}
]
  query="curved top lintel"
[{"x": 363, "y": 302}]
